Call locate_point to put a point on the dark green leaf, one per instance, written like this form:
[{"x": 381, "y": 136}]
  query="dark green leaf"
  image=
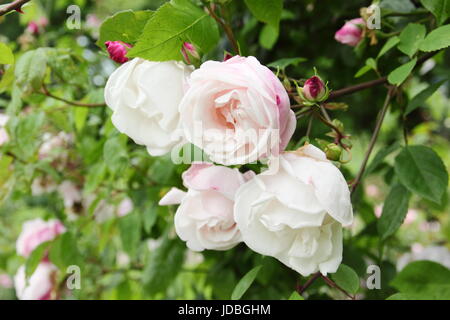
[
  {"x": 30, "y": 70},
  {"x": 245, "y": 283},
  {"x": 425, "y": 278},
  {"x": 421, "y": 170},
  {"x": 346, "y": 278},
  {"x": 268, "y": 11},
  {"x": 286, "y": 62},
  {"x": 392, "y": 42},
  {"x": 439, "y": 8},
  {"x": 394, "y": 211},
  {"x": 35, "y": 258},
  {"x": 130, "y": 232}
]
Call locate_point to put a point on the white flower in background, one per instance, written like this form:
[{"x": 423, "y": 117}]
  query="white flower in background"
[
  {"x": 54, "y": 144},
  {"x": 42, "y": 185},
  {"x": 125, "y": 207},
  {"x": 145, "y": 97},
  {"x": 296, "y": 215},
  {"x": 438, "y": 254},
  {"x": 204, "y": 218},
  {"x": 237, "y": 111},
  {"x": 3, "y": 134},
  {"x": 122, "y": 259},
  {"x": 36, "y": 231},
  {"x": 70, "y": 193},
  {"x": 39, "y": 286}
]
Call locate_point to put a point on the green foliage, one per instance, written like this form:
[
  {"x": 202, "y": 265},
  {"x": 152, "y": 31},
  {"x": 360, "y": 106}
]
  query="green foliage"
[
  {"x": 399, "y": 75},
  {"x": 35, "y": 257},
  {"x": 394, "y": 211},
  {"x": 245, "y": 283},
  {"x": 30, "y": 70},
  {"x": 421, "y": 170},
  {"x": 295, "y": 296},
  {"x": 123, "y": 26},
  {"x": 423, "y": 280},
  {"x": 130, "y": 232},
  {"x": 436, "y": 39},
  {"x": 411, "y": 38},
  {"x": 419, "y": 99},
  {"x": 439, "y": 8},
  {"x": 346, "y": 278},
  {"x": 174, "y": 23},
  {"x": 6, "y": 55}
]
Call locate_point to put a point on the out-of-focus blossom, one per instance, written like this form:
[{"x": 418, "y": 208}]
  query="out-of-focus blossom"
[
  {"x": 439, "y": 254},
  {"x": 42, "y": 185},
  {"x": 3, "y": 134},
  {"x": 39, "y": 286},
  {"x": 54, "y": 143},
  {"x": 70, "y": 193},
  {"x": 122, "y": 259},
  {"x": 36, "y": 231},
  {"x": 6, "y": 281},
  {"x": 430, "y": 226},
  {"x": 372, "y": 190},
  {"x": 125, "y": 207},
  {"x": 38, "y": 26},
  {"x": 351, "y": 33},
  {"x": 411, "y": 215}
]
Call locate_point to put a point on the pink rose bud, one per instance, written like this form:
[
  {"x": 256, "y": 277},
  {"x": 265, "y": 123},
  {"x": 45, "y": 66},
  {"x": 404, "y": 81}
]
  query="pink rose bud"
[
  {"x": 33, "y": 28},
  {"x": 314, "y": 89},
  {"x": 117, "y": 50},
  {"x": 188, "y": 51},
  {"x": 351, "y": 33}
]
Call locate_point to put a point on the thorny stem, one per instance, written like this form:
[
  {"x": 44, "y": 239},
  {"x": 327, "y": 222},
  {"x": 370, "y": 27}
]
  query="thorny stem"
[
  {"x": 15, "y": 5},
  {"x": 374, "y": 138},
  {"x": 226, "y": 27},
  {"x": 308, "y": 283},
  {"x": 74, "y": 103},
  {"x": 332, "y": 284}
]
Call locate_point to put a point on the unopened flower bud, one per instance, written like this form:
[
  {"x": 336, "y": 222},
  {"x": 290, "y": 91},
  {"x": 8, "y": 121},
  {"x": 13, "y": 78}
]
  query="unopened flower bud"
[
  {"x": 33, "y": 28},
  {"x": 333, "y": 152},
  {"x": 314, "y": 89},
  {"x": 189, "y": 52},
  {"x": 117, "y": 50}
]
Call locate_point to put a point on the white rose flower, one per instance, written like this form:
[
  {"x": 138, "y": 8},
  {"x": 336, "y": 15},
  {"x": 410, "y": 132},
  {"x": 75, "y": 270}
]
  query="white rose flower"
[
  {"x": 204, "y": 218},
  {"x": 296, "y": 215},
  {"x": 144, "y": 97}
]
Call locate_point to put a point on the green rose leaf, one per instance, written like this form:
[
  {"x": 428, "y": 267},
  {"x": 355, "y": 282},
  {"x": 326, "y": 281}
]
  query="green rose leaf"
[
  {"x": 421, "y": 170},
  {"x": 394, "y": 211},
  {"x": 399, "y": 75},
  {"x": 436, "y": 39},
  {"x": 245, "y": 283},
  {"x": 124, "y": 26},
  {"x": 346, "y": 278},
  {"x": 410, "y": 38},
  {"x": 172, "y": 24}
]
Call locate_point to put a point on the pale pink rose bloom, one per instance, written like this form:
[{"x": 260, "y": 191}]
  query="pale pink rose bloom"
[
  {"x": 52, "y": 143},
  {"x": 39, "y": 285},
  {"x": 34, "y": 232},
  {"x": 237, "y": 111},
  {"x": 411, "y": 216},
  {"x": 372, "y": 190},
  {"x": 351, "y": 33},
  {"x": 378, "y": 210},
  {"x": 5, "y": 281},
  {"x": 204, "y": 218},
  {"x": 70, "y": 193},
  {"x": 125, "y": 207},
  {"x": 3, "y": 134}
]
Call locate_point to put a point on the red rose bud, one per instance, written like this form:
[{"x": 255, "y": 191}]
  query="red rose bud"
[
  {"x": 314, "y": 89},
  {"x": 227, "y": 56},
  {"x": 188, "y": 51},
  {"x": 117, "y": 50}
]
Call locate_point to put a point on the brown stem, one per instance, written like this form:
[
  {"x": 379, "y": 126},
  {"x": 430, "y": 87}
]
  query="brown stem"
[
  {"x": 226, "y": 28},
  {"x": 332, "y": 284},
  {"x": 374, "y": 138},
  {"x": 15, "y": 5},
  {"x": 372, "y": 83},
  {"x": 308, "y": 283},
  {"x": 74, "y": 103}
]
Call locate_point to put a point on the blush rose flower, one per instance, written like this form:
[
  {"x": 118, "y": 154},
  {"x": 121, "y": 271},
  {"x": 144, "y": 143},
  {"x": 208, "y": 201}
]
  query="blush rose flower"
[
  {"x": 351, "y": 33},
  {"x": 204, "y": 218},
  {"x": 296, "y": 215},
  {"x": 237, "y": 111},
  {"x": 36, "y": 231},
  {"x": 145, "y": 97},
  {"x": 39, "y": 286}
]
